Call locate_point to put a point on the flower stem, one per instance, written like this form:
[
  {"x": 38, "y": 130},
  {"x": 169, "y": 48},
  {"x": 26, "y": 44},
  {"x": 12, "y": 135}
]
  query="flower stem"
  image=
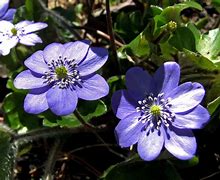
[
  {"x": 81, "y": 119},
  {"x": 94, "y": 129}
]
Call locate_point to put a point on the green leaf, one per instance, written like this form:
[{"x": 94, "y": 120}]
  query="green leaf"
[
  {"x": 186, "y": 163},
  {"x": 116, "y": 83},
  {"x": 91, "y": 109},
  {"x": 129, "y": 24},
  {"x": 216, "y": 4},
  {"x": 69, "y": 121},
  {"x": 172, "y": 13},
  {"x": 199, "y": 60},
  {"x": 51, "y": 120},
  {"x": 15, "y": 116},
  {"x": 7, "y": 155},
  {"x": 87, "y": 109},
  {"x": 139, "y": 47},
  {"x": 183, "y": 38},
  {"x": 195, "y": 32},
  {"x": 212, "y": 106},
  {"x": 29, "y": 9},
  {"x": 209, "y": 44},
  {"x": 140, "y": 170}
]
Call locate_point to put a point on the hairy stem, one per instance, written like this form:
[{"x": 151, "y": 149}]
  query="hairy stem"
[
  {"x": 51, "y": 161},
  {"x": 50, "y": 132}
]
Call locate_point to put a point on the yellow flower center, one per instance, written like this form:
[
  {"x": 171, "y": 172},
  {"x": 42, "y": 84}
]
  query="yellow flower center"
[
  {"x": 155, "y": 110},
  {"x": 14, "y": 31},
  {"x": 61, "y": 72}
]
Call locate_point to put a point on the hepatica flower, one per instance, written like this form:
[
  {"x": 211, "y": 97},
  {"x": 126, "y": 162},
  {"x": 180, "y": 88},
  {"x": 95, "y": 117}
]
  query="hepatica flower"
[
  {"x": 5, "y": 13},
  {"x": 156, "y": 112},
  {"x": 22, "y": 32},
  {"x": 60, "y": 74}
]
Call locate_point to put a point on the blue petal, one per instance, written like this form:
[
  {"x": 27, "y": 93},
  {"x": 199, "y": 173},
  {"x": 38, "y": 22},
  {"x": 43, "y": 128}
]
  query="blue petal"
[
  {"x": 94, "y": 60},
  {"x": 167, "y": 77},
  {"x": 93, "y": 87},
  {"x": 185, "y": 97},
  {"x": 61, "y": 101},
  {"x": 35, "y": 102},
  {"x": 181, "y": 143},
  {"x": 197, "y": 118},
  {"x": 128, "y": 130},
  {"x": 123, "y": 104},
  {"x": 3, "y": 6},
  {"x": 150, "y": 146},
  {"x": 26, "y": 80},
  {"x": 36, "y": 63},
  {"x": 139, "y": 82},
  {"x": 53, "y": 52},
  {"x": 9, "y": 15},
  {"x": 77, "y": 50}
]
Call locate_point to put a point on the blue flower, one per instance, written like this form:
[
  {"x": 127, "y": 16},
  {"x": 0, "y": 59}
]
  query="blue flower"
[
  {"x": 21, "y": 32},
  {"x": 5, "y": 13},
  {"x": 60, "y": 74},
  {"x": 156, "y": 112}
]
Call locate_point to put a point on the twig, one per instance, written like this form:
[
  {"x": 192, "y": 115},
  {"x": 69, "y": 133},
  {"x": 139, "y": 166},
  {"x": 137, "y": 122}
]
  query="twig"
[
  {"x": 86, "y": 165},
  {"x": 211, "y": 175},
  {"x": 106, "y": 36},
  {"x": 111, "y": 34},
  {"x": 90, "y": 146}
]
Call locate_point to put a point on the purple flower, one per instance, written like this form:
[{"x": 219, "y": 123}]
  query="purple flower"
[
  {"x": 60, "y": 74},
  {"x": 156, "y": 112},
  {"x": 21, "y": 32},
  {"x": 5, "y": 13}
]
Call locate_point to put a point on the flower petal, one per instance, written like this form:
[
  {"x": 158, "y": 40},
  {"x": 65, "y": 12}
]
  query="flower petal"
[
  {"x": 5, "y": 26},
  {"x": 22, "y": 24},
  {"x": 9, "y": 15},
  {"x": 181, "y": 143},
  {"x": 123, "y": 104},
  {"x": 186, "y": 96},
  {"x": 139, "y": 82},
  {"x": 167, "y": 77},
  {"x": 150, "y": 146},
  {"x": 3, "y": 6},
  {"x": 61, "y": 101},
  {"x": 35, "y": 102},
  {"x": 77, "y": 50},
  {"x": 128, "y": 130},
  {"x": 26, "y": 80},
  {"x": 34, "y": 27},
  {"x": 7, "y": 44},
  {"x": 94, "y": 60},
  {"x": 93, "y": 87},
  {"x": 53, "y": 51},
  {"x": 30, "y": 39},
  {"x": 36, "y": 63},
  {"x": 194, "y": 119}
]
